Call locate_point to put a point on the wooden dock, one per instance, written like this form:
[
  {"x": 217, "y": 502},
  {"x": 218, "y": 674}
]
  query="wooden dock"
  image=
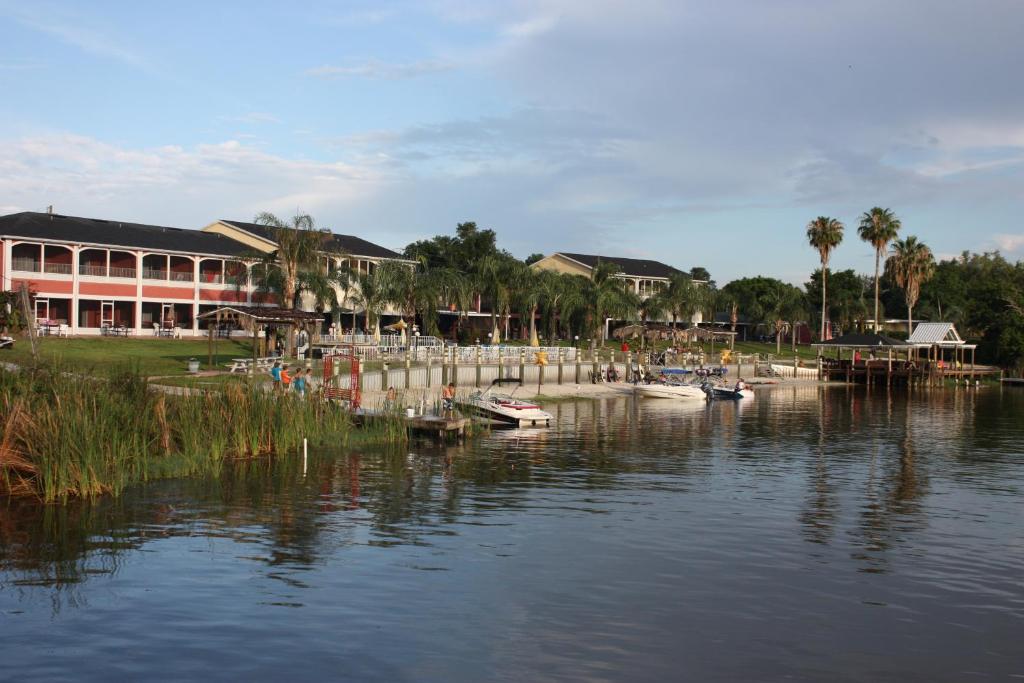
[
  {"x": 1013, "y": 381},
  {"x": 435, "y": 426}
]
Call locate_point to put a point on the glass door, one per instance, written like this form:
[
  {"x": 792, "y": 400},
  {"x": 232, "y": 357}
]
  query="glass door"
[{"x": 107, "y": 314}]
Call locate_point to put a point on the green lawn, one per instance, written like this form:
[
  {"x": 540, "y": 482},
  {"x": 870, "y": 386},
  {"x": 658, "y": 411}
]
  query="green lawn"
[
  {"x": 804, "y": 351},
  {"x": 154, "y": 356}
]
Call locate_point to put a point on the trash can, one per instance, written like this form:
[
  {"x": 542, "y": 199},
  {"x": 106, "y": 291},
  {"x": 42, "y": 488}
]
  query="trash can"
[{"x": 193, "y": 365}]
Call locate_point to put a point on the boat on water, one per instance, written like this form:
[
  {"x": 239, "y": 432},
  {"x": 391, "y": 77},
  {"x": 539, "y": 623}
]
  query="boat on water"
[
  {"x": 670, "y": 384},
  {"x": 725, "y": 393},
  {"x": 503, "y": 408},
  {"x": 670, "y": 390}
]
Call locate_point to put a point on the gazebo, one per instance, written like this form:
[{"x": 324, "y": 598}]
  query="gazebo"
[
  {"x": 937, "y": 338},
  {"x": 253, "y": 318}
]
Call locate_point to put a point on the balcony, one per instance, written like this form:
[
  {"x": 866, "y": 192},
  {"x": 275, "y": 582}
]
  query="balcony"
[
  {"x": 25, "y": 265},
  {"x": 102, "y": 271}
]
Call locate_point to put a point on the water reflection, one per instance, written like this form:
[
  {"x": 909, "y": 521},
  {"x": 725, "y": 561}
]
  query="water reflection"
[{"x": 759, "y": 501}]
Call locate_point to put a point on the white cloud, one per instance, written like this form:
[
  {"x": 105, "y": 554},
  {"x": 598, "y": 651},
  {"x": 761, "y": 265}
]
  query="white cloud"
[
  {"x": 172, "y": 185},
  {"x": 374, "y": 69},
  {"x": 1009, "y": 243},
  {"x": 71, "y": 28}
]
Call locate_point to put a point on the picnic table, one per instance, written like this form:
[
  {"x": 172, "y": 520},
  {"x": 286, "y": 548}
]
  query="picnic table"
[{"x": 246, "y": 364}]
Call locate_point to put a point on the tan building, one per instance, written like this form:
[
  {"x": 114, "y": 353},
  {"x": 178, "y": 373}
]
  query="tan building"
[
  {"x": 343, "y": 250},
  {"x": 646, "y": 277}
]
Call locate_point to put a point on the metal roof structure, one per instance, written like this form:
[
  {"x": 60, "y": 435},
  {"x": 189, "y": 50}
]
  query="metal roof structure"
[{"x": 935, "y": 334}]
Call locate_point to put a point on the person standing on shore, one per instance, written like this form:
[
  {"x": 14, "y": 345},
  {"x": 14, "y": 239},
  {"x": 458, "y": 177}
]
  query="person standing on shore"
[
  {"x": 275, "y": 374},
  {"x": 286, "y": 379},
  {"x": 299, "y": 384}
]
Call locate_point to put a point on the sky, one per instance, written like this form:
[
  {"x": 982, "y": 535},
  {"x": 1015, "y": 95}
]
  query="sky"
[{"x": 695, "y": 133}]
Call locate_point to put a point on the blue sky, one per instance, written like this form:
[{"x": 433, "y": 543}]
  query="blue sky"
[{"x": 696, "y": 133}]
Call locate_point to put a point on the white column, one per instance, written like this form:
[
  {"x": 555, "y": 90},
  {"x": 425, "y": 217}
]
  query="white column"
[
  {"x": 7, "y": 265},
  {"x": 195, "y": 296},
  {"x": 76, "y": 257},
  {"x": 138, "y": 292}
]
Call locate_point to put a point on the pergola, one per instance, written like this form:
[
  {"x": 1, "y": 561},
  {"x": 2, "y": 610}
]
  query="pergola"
[
  {"x": 253, "y": 318},
  {"x": 937, "y": 338},
  {"x": 708, "y": 334}
]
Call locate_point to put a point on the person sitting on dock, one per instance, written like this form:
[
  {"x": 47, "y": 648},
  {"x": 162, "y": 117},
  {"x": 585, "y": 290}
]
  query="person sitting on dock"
[{"x": 448, "y": 397}]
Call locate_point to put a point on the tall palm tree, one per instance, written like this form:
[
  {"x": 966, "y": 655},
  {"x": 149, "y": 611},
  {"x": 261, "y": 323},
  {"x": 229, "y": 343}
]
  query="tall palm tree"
[
  {"x": 529, "y": 294},
  {"x": 824, "y": 234},
  {"x": 911, "y": 264},
  {"x": 879, "y": 227},
  {"x": 299, "y": 246},
  {"x": 372, "y": 294},
  {"x": 602, "y": 296},
  {"x": 494, "y": 279}
]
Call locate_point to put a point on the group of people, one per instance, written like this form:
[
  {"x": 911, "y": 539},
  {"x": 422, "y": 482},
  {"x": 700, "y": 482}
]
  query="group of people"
[{"x": 301, "y": 382}]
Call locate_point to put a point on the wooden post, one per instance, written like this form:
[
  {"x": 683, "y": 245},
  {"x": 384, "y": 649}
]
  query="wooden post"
[
  {"x": 408, "y": 368},
  {"x": 444, "y": 366},
  {"x": 576, "y": 362},
  {"x": 454, "y": 379},
  {"x": 430, "y": 370},
  {"x": 209, "y": 345},
  {"x": 522, "y": 365},
  {"x": 561, "y": 358},
  {"x": 478, "y": 359}
]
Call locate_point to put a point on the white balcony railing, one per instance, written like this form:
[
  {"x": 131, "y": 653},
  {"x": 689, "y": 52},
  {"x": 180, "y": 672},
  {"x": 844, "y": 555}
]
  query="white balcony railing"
[
  {"x": 26, "y": 265},
  {"x": 57, "y": 268}
]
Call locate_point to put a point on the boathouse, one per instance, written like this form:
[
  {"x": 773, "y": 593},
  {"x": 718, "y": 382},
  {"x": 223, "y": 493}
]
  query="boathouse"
[{"x": 942, "y": 344}]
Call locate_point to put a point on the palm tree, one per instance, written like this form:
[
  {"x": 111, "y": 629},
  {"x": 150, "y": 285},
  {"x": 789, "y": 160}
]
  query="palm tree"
[
  {"x": 299, "y": 245},
  {"x": 824, "y": 234},
  {"x": 911, "y": 264},
  {"x": 530, "y": 292},
  {"x": 493, "y": 277},
  {"x": 603, "y": 295},
  {"x": 373, "y": 292},
  {"x": 879, "y": 227},
  {"x": 682, "y": 298}
]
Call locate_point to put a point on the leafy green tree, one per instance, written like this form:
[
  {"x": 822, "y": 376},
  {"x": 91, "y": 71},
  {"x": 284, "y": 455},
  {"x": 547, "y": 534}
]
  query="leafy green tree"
[
  {"x": 878, "y": 227},
  {"x": 824, "y": 234},
  {"x": 847, "y": 304},
  {"x": 533, "y": 258},
  {"x": 910, "y": 264}
]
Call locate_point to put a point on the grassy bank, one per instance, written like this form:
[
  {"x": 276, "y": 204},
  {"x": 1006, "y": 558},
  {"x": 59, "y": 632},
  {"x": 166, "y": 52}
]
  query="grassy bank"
[
  {"x": 152, "y": 356},
  {"x": 66, "y": 435}
]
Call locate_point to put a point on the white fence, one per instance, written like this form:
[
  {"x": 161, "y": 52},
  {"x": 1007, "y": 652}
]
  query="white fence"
[
  {"x": 797, "y": 372},
  {"x": 469, "y": 376}
]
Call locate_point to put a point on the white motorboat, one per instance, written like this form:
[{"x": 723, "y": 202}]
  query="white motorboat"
[
  {"x": 670, "y": 390},
  {"x": 504, "y": 408}
]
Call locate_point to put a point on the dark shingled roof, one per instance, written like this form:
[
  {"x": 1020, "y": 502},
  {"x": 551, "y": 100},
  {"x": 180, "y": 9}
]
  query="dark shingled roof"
[
  {"x": 630, "y": 266},
  {"x": 45, "y": 226},
  {"x": 867, "y": 340},
  {"x": 346, "y": 243}
]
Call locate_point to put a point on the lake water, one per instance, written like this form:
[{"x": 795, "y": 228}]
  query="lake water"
[{"x": 812, "y": 534}]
